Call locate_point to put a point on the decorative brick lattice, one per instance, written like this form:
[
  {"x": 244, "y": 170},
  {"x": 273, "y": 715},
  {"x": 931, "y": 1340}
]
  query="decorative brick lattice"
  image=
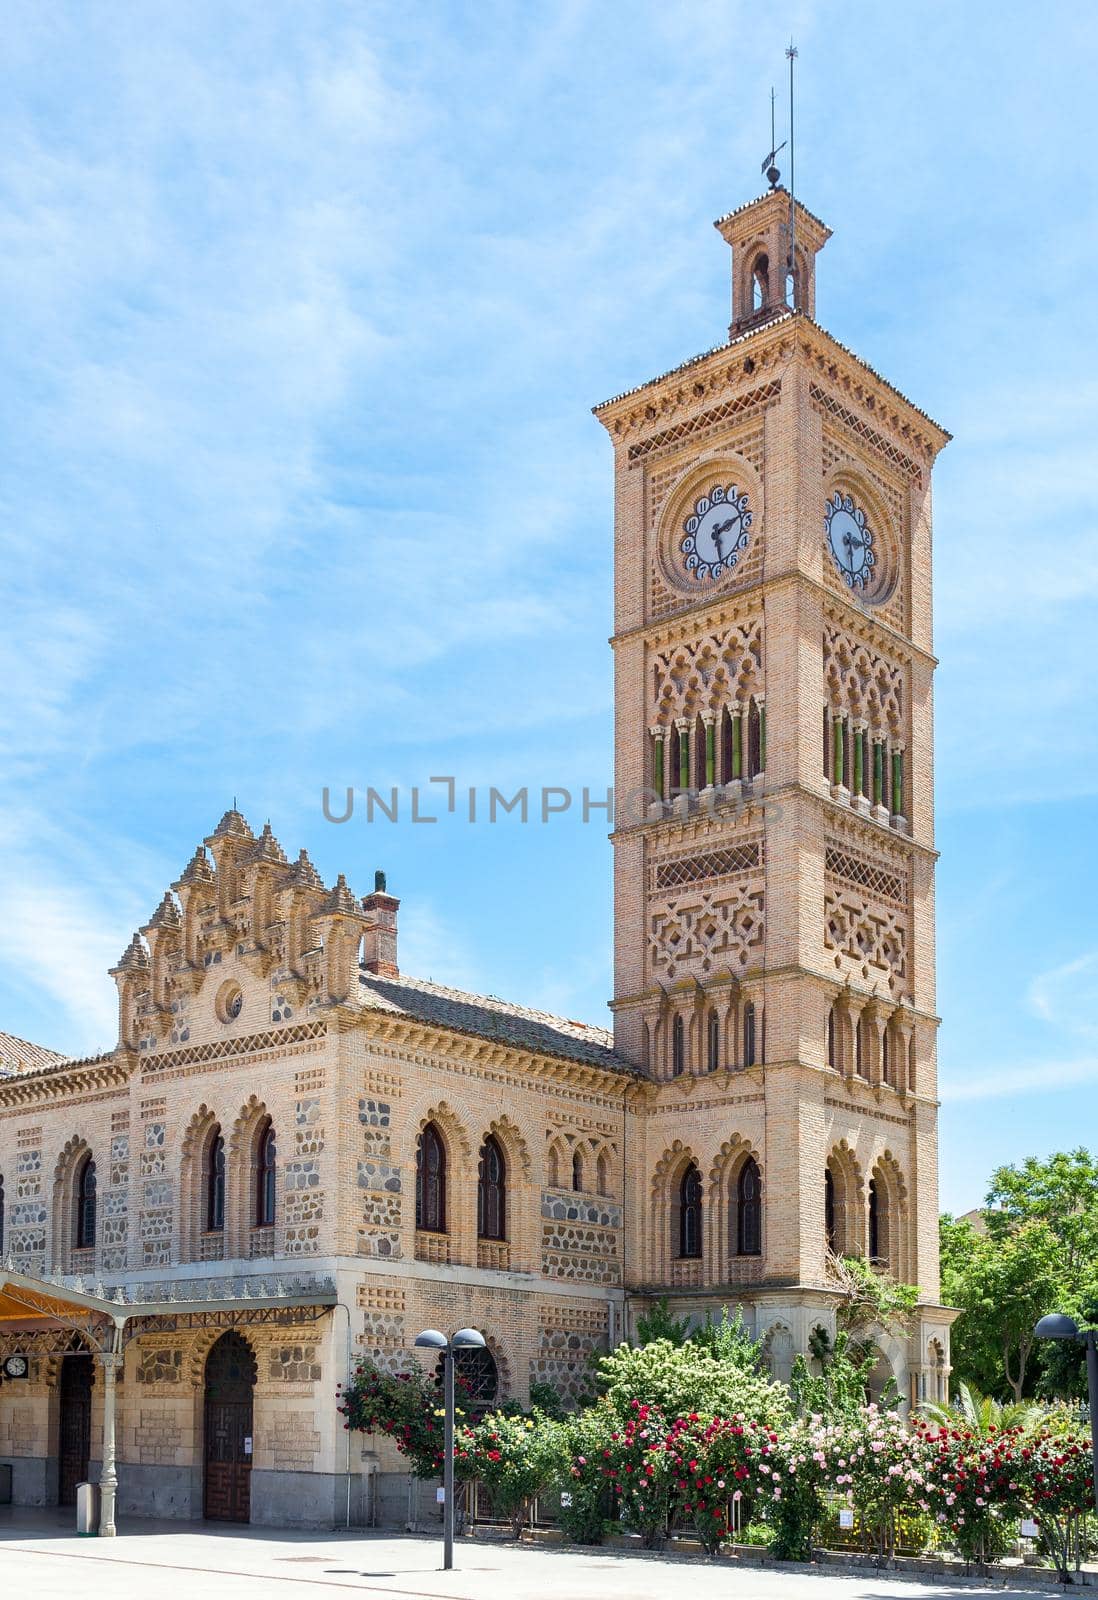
[
  {"x": 705, "y": 422},
  {"x": 707, "y": 673},
  {"x": 748, "y": 444},
  {"x": 706, "y": 931},
  {"x": 870, "y": 936},
  {"x": 862, "y": 682},
  {"x": 892, "y": 453},
  {"x": 714, "y": 864},
  {"x": 882, "y": 883}
]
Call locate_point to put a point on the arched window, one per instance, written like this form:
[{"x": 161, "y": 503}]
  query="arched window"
[
  {"x": 874, "y": 1221},
  {"x": 577, "y": 1171},
  {"x": 602, "y": 1170},
  {"x": 215, "y": 1183},
  {"x": 678, "y": 1048},
  {"x": 431, "y": 1181},
  {"x": 749, "y": 1044},
  {"x": 832, "y": 1040},
  {"x": 265, "y": 1169},
  {"x": 749, "y": 1210},
  {"x": 491, "y": 1191},
  {"x": 886, "y": 1055},
  {"x": 690, "y": 1213},
  {"x": 713, "y": 1041},
  {"x": 554, "y": 1167},
  {"x": 829, "y": 1212},
  {"x": 760, "y": 282},
  {"x": 85, "y": 1204}
]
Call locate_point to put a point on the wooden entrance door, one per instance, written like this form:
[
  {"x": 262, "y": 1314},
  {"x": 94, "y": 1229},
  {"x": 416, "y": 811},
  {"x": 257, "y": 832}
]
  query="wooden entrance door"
[
  {"x": 230, "y": 1380},
  {"x": 74, "y": 1444}
]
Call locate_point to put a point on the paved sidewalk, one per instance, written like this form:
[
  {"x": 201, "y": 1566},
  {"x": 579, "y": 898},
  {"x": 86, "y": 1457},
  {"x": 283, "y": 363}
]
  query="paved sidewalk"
[{"x": 40, "y": 1556}]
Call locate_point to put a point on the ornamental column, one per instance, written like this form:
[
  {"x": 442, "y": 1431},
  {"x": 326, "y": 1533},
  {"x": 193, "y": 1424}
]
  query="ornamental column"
[
  {"x": 682, "y": 800},
  {"x": 659, "y": 742},
  {"x": 709, "y": 718},
  {"x": 110, "y": 1361},
  {"x": 839, "y": 791},
  {"x": 879, "y": 812},
  {"x": 860, "y": 783},
  {"x": 899, "y": 821},
  {"x": 735, "y": 788}
]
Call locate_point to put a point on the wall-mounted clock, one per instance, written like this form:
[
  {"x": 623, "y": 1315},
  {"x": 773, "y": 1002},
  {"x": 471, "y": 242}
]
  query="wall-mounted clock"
[
  {"x": 850, "y": 540},
  {"x": 15, "y": 1366},
  {"x": 715, "y": 532}
]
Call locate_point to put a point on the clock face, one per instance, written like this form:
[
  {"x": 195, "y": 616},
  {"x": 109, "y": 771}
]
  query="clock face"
[
  {"x": 716, "y": 532},
  {"x": 850, "y": 541},
  {"x": 15, "y": 1367}
]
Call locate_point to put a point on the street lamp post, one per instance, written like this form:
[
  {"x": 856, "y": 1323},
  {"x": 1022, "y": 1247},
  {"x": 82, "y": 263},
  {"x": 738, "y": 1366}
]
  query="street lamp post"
[
  {"x": 463, "y": 1339},
  {"x": 1057, "y": 1326}
]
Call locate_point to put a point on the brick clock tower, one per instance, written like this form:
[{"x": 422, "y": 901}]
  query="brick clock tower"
[{"x": 774, "y": 835}]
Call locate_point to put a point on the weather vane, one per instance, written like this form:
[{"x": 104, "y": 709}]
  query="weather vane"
[{"x": 768, "y": 166}]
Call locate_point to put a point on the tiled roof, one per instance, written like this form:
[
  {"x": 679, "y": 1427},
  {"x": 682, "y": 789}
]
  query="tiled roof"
[
  {"x": 758, "y": 200},
  {"x": 784, "y": 315},
  {"x": 489, "y": 1018},
  {"x": 19, "y": 1055}
]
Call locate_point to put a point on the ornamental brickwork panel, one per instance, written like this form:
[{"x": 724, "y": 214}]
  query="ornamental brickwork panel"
[{"x": 720, "y": 668}]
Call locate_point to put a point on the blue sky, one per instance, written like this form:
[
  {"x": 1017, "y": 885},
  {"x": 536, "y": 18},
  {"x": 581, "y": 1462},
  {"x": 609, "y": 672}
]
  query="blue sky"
[{"x": 304, "y": 311}]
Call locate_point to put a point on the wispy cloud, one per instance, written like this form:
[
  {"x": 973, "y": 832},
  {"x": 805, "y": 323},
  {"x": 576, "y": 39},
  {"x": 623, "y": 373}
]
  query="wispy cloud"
[{"x": 1008, "y": 1082}]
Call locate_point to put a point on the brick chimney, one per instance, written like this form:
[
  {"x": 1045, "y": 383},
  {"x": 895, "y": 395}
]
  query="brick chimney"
[{"x": 380, "y": 942}]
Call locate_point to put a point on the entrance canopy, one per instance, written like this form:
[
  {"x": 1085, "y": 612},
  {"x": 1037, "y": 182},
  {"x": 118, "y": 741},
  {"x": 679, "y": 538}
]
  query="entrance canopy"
[{"x": 40, "y": 1317}]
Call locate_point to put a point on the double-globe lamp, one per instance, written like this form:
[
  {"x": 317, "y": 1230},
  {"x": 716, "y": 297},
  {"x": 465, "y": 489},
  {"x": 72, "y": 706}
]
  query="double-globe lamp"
[{"x": 463, "y": 1339}]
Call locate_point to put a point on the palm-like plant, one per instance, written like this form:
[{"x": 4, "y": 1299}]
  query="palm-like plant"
[{"x": 981, "y": 1414}]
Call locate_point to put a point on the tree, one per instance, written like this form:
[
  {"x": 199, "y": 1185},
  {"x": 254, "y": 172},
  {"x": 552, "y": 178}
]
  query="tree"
[
  {"x": 1003, "y": 1282},
  {"x": 1061, "y": 1192}
]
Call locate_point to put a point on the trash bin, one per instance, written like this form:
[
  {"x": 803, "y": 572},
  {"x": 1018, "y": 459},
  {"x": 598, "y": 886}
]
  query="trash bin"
[{"x": 87, "y": 1509}]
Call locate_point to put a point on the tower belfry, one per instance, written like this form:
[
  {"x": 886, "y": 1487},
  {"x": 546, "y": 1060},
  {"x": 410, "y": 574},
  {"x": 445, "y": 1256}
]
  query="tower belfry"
[
  {"x": 773, "y": 843},
  {"x": 758, "y": 234}
]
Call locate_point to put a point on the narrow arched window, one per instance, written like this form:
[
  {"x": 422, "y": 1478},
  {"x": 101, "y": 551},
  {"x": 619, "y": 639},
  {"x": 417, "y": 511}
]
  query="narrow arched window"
[
  {"x": 874, "y": 1221},
  {"x": 760, "y": 283},
  {"x": 713, "y": 1041},
  {"x": 577, "y": 1171},
  {"x": 431, "y": 1181},
  {"x": 726, "y": 746},
  {"x": 749, "y": 1043},
  {"x": 602, "y": 1170},
  {"x": 886, "y": 1055},
  {"x": 266, "y": 1153},
  {"x": 215, "y": 1183},
  {"x": 554, "y": 1167},
  {"x": 85, "y": 1205},
  {"x": 690, "y": 1214},
  {"x": 678, "y": 1048},
  {"x": 829, "y": 1212},
  {"x": 832, "y": 1042},
  {"x": 491, "y": 1191},
  {"x": 749, "y": 1210}
]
